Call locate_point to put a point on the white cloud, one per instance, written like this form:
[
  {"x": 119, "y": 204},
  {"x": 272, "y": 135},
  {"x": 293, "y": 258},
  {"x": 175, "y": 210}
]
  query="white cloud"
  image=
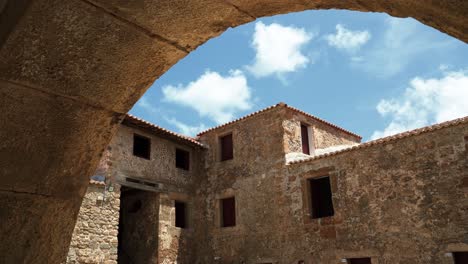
[
  {"x": 403, "y": 41},
  {"x": 213, "y": 95},
  {"x": 278, "y": 49},
  {"x": 348, "y": 40},
  {"x": 426, "y": 101},
  {"x": 444, "y": 67},
  {"x": 147, "y": 106},
  {"x": 186, "y": 129}
]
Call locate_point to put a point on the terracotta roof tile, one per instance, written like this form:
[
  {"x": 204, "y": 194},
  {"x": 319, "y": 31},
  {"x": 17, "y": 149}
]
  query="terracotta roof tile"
[
  {"x": 97, "y": 182},
  {"x": 239, "y": 119},
  {"x": 133, "y": 120},
  {"x": 415, "y": 132},
  {"x": 281, "y": 104}
]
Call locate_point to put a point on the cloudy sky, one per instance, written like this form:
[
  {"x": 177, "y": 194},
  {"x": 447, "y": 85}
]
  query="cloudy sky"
[{"x": 369, "y": 73}]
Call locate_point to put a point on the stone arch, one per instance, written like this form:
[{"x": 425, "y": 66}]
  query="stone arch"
[{"x": 70, "y": 69}]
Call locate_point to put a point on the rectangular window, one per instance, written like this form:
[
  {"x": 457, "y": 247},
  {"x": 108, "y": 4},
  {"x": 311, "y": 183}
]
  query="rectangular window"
[
  {"x": 460, "y": 257},
  {"x": 321, "y": 197},
  {"x": 305, "y": 139},
  {"x": 180, "y": 214},
  {"x": 141, "y": 146},
  {"x": 359, "y": 261},
  {"x": 226, "y": 147},
  {"x": 228, "y": 212},
  {"x": 182, "y": 159}
]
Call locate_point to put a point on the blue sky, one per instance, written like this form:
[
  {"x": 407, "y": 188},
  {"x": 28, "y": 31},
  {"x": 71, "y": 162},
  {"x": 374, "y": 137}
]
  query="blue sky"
[{"x": 368, "y": 72}]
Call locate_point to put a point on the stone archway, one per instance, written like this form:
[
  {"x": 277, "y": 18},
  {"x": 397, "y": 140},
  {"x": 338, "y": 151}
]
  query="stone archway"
[{"x": 70, "y": 69}]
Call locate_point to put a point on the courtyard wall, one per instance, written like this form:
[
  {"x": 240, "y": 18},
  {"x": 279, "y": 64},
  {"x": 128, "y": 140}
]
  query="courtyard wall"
[{"x": 397, "y": 200}]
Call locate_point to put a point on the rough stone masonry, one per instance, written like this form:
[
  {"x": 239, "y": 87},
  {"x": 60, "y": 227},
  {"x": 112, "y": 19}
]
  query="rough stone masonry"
[
  {"x": 71, "y": 69},
  {"x": 246, "y": 192}
]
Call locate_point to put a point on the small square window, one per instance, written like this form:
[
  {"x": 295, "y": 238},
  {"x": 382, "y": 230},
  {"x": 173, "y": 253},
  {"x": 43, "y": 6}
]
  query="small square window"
[
  {"x": 141, "y": 146},
  {"x": 182, "y": 159},
  {"x": 228, "y": 212},
  {"x": 359, "y": 261},
  {"x": 321, "y": 204},
  {"x": 460, "y": 257},
  {"x": 226, "y": 147},
  {"x": 180, "y": 214}
]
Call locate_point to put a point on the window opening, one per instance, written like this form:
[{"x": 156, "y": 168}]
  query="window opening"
[
  {"x": 226, "y": 147},
  {"x": 321, "y": 197},
  {"x": 182, "y": 159},
  {"x": 180, "y": 214},
  {"x": 305, "y": 139},
  {"x": 228, "y": 212},
  {"x": 359, "y": 261},
  {"x": 141, "y": 146}
]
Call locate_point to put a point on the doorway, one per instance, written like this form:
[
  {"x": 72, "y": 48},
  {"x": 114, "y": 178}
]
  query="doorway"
[{"x": 138, "y": 226}]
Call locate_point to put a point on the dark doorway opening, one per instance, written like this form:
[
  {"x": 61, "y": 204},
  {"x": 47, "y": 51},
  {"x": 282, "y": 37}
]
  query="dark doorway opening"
[
  {"x": 138, "y": 226},
  {"x": 460, "y": 257}
]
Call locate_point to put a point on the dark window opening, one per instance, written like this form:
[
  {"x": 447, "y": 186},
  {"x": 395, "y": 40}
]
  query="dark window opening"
[
  {"x": 305, "y": 139},
  {"x": 182, "y": 159},
  {"x": 228, "y": 212},
  {"x": 321, "y": 197},
  {"x": 226, "y": 147},
  {"x": 359, "y": 261},
  {"x": 460, "y": 257},
  {"x": 180, "y": 214},
  {"x": 141, "y": 146}
]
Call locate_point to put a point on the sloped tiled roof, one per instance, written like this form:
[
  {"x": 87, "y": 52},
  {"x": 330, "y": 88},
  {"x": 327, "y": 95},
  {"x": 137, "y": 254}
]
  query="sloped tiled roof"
[
  {"x": 415, "y": 132},
  {"x": 323, "y": 121},
  {"x": 275, "y": 106},
  {"x": 133, "y": 120},
  {"x": 239, "y": 119}
]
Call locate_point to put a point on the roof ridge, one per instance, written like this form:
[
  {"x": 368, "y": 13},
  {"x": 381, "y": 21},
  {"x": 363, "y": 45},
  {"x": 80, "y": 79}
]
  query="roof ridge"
[
  {"x": 241, "y": 118},
  {"x": 132, "y": 118},
  {"x": 322, "y": 120},
  {"x": 410, "y": 133},
  {"x": 280, "y": 104}
]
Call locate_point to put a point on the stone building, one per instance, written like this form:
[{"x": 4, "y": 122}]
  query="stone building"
[{"x": 277, "y": 186}]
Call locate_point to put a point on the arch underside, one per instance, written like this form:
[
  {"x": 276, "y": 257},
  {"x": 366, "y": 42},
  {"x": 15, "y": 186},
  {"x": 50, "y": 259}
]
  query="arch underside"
[{"x": 71, "y": 69}]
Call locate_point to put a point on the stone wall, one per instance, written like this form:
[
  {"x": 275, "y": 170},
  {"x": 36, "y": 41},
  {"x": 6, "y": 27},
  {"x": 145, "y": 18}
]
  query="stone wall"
[
  {"x": 401, "y": 201},
  {"x": 160, "y": 168},
  {"x": 176, "y": 244},
  {"x": 258, "y": 160},
  {"x": 94, "y": 238},
  {"x": 141, "y": 228},
  {"x": 323, "y": 135}
]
